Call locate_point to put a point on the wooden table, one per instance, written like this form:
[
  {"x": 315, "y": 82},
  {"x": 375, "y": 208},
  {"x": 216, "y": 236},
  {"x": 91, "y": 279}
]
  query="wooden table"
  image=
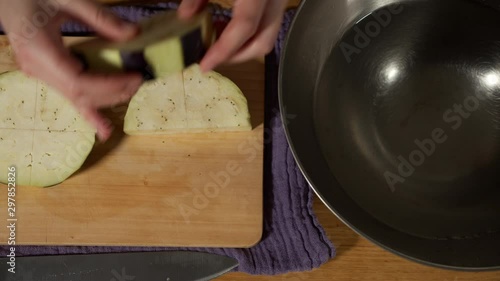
[
  {"x": 357, "y": 258},
  {"x": 360, "y": 260}
]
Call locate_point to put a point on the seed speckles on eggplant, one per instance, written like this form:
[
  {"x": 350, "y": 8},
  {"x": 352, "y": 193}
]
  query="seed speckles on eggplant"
[
  {"x": 33, "y": 131},
  {"x": 203, "y": 103}
]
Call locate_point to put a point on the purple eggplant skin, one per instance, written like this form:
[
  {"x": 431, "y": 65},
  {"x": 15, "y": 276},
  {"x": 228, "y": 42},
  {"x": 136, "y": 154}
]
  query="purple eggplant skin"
[
  {"x": 193, "y": 47},
  {"x": 82, "y": 59},
  {"x": 193, "y": 50},
  {"x": 135, "y": 62}
]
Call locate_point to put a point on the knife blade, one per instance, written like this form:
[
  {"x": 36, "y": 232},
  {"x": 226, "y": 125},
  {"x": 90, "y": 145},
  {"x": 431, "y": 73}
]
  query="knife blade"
[{"x": 142, "y": 266}]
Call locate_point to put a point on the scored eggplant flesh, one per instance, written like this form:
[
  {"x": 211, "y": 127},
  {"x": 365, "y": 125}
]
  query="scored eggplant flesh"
[
  {"x": 188, "y": 102},
  {"x": 41, "y": 133}
]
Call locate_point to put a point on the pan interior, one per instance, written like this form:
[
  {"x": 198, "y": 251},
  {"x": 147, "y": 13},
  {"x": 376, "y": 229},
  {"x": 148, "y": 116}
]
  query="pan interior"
[{"x": 407, "y": 112}]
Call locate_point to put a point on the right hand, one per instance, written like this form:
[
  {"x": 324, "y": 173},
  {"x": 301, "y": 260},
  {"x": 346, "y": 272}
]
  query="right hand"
[
  {"x": 33, "y": 28},
  {"x": 251, "y": 33}
]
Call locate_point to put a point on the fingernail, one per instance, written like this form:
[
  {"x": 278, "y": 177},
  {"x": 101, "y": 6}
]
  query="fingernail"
[
  {"x": 105, "y": 131},
  {"x": 101, "y": 137},
  {"x": 204, "y": 63},
  {"x": 104, "y": 136},
  {"x": 206, "y": 66}
]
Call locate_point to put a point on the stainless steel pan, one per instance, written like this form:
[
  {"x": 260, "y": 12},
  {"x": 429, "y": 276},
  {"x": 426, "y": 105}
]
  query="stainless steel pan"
[{"x": 397, "y": 124}]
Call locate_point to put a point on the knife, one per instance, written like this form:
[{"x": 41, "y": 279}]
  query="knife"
[{"x": 142, "y": 266}]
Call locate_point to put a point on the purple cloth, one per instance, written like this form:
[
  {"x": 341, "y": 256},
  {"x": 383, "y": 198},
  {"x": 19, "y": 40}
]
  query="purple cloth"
[{"x": 293, "y": 239}]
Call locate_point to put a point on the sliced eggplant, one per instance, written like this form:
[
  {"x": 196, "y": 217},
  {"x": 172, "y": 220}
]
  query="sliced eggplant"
[
  {"x": 188, "y": 102},
  {"x": 158, "y": 106},
  {"x": 55, "y": 113},
  {"x": 166, "y": 45},
  {"x": 50, "y": 140},
  {"x": 58, "y": 155},
  {"x": 16, "y": 150},
  {"x": 17, "y": 99},
  {"x": 214, "y": 102}
]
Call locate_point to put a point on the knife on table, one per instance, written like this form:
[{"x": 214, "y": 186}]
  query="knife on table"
[{"x": 150, "y": 266}]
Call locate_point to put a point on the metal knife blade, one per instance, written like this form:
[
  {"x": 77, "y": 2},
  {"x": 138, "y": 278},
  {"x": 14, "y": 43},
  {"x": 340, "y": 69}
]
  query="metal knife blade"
[{"x": 150, "y": 266}]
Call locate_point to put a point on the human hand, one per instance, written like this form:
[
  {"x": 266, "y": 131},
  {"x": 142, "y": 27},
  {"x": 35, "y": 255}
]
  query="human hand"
[
  {"x": 251, "y": 33},
  {"x": 33, "y": 28}
]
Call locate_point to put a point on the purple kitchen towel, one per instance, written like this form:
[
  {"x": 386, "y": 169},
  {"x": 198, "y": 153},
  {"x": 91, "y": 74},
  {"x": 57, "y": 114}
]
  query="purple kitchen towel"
[{"x": 293, "y": 240}]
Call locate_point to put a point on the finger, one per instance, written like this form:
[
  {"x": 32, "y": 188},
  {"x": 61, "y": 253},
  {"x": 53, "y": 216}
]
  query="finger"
[
  {"x": 49, "y": 62},
  {"x": 101, "y": 19},
  {"x": 104, "y": 126},
  {"x": 247, "y": 16},
  {"x": 100, "y": 91},
  {"x": 46, "y": 58},
  {"x": 264, "y": 41},
  {"x": 94, "y": 92},
  {"x": 189, "y": 8}
]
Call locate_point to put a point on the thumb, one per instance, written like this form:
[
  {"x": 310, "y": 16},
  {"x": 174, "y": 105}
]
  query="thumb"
[
  {"x": 101, "y": 19},
  {"x": 103, "y": 125}
]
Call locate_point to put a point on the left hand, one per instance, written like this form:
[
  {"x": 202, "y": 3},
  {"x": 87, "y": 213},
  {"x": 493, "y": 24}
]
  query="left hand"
[
  {"x": 33, "y": 28},
  {"x": 251, "y": 33}
]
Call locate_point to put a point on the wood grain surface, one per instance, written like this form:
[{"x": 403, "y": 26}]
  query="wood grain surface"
[{"x": 360, "y": 260}]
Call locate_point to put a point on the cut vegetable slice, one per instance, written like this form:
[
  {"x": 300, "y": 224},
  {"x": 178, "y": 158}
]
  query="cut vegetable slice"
[
  {"x": 17, "y": 98},
  {"x": 55, "y": 113},
  {"x": 204, "y": 103},
  {"x": 16, "y": 151},
  {"x": 57, "y": 155},
  {"x": 214, "y": 102},
  {"x": 157, "y": 107},
  {"x": 49, "y": 148}
]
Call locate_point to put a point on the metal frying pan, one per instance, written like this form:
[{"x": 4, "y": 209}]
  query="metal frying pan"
[{"x": 397, "y": 126}]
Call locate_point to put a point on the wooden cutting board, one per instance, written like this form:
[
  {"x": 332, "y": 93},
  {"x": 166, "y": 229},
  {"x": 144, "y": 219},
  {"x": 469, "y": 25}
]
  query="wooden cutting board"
[{"x": 180, "y": 190}]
